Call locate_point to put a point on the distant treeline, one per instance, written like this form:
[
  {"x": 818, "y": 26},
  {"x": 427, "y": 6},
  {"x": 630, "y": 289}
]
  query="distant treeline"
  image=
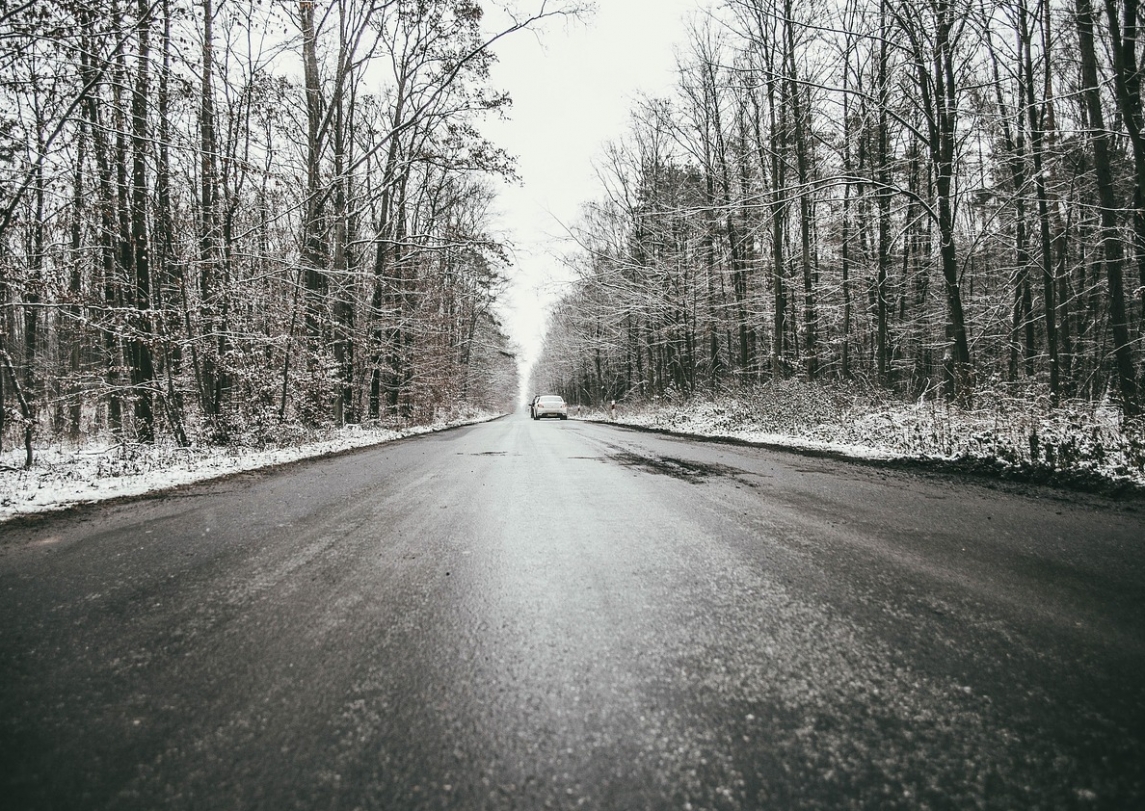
[
  {"x": 220, "y": 217},
  {"x": 930, "y": 195}
]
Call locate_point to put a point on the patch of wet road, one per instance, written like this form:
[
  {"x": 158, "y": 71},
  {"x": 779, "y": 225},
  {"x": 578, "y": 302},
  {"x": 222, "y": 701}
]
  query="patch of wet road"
[{"x": 682, "y": 469}]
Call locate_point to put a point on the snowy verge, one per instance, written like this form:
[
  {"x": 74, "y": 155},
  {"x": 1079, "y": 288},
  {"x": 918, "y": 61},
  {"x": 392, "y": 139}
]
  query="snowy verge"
[
  {"x": 1076, "y": 445},
  {"x": 66, "y": 476}
]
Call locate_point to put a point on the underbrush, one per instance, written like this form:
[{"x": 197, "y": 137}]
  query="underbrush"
[{"x": 1016, "y": 434}]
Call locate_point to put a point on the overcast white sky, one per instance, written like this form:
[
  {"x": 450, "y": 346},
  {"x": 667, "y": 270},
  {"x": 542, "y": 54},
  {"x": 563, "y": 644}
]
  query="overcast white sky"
[{"x": 572, "y": 88}]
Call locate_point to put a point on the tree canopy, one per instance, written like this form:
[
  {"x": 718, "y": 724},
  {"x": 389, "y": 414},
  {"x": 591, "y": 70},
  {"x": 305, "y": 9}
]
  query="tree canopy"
[
  {"x": 931, "y": 196},
  {"x": 217, "y": 218}
]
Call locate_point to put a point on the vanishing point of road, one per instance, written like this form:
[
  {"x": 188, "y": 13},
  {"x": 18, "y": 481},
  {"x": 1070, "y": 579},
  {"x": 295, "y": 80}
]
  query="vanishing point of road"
[{"x": 523, "y": 615}]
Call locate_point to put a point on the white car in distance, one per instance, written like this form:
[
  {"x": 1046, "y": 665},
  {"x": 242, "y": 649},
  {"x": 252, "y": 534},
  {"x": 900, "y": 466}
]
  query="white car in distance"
[{"x": 550, "y": 405}]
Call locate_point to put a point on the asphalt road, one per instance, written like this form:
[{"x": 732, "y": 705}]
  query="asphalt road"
[{"x": 523, "y": 615}]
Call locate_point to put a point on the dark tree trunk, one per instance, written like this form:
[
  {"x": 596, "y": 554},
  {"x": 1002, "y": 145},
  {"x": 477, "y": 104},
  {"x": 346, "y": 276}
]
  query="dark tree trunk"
[{"x": 1112, "y": 248}]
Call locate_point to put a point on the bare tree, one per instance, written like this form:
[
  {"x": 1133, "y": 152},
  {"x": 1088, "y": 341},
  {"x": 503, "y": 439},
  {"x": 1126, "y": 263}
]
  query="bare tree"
[{"x": 1112, "y": 248}]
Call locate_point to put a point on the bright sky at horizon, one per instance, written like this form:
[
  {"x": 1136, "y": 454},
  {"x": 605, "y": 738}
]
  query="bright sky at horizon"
[{"x": 573, "y": 87}]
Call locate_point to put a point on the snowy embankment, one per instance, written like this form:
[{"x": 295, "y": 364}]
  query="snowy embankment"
[
  {"x": 1074, "y": 444},
  {"x": 64, "y": 476}
]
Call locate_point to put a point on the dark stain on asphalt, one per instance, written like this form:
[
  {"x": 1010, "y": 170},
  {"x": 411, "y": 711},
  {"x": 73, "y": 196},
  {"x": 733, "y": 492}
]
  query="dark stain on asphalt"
[{"x": 682, "y": 469}]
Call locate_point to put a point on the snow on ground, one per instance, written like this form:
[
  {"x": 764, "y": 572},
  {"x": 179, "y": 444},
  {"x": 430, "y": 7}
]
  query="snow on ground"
[
  {"x": 1075, "y": 444},
  {"x": 64, "y": 476}
]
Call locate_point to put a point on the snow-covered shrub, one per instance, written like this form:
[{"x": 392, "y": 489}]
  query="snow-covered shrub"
[{"x": 1008, "y": 430}]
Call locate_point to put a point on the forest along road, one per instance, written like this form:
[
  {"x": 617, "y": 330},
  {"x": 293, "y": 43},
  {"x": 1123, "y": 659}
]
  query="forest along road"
[{"x": 523, "y": 615}]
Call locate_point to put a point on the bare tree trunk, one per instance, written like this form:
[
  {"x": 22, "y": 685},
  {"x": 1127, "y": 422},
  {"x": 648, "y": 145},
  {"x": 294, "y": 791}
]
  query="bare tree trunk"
[
  {"x": 139, "y": 286},
  {"x": 882, "y": 169},
  {"x": 1059, "y": 242},
  {"x": 939, "y": 104},
  {"x": 1113, "y": 251},
  {"x": 850, "y": 188},
  {"x": 119, "y": 283},
  {"x": 73, "y": 337},
  {"x": 1037, "y": 147},
  {"x": 209, "y": 358},
  {"x": 343, "y": 307},
  {"x": 1014, "y": 140},
  {"x": 778, "y": 211},
  {"x": 106, "y": 206},
  {"x": 801, "y": 129},
  {"x": 315, "y": 281},
  {"x": 33, "y": 288},
  {"x": 165, "y": 276},
  {"x": 1124, "y": 34},
  {"x": 26, "y": 414}
]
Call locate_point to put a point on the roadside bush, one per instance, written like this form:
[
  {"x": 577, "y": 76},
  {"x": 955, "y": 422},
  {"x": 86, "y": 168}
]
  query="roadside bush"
[{"x": 1009, "y": 430}]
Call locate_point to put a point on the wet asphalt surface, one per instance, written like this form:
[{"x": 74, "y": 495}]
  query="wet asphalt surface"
[{"x": 523, "y": 615}]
